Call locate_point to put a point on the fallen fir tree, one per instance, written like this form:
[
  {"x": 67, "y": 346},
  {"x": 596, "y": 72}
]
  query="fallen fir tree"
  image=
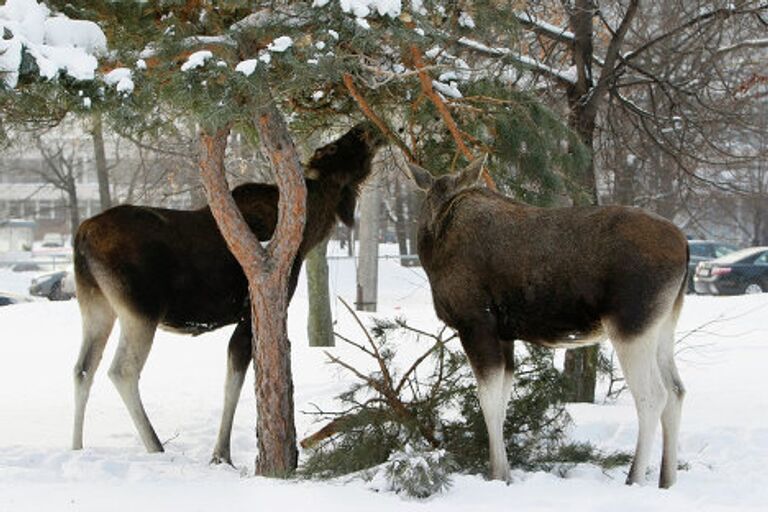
[{"x": 412, "y": 424}]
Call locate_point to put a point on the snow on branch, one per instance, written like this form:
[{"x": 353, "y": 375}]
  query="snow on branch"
[
  {"x": 747, "y": 43},
  {"x": 56, "y": 43},
  {"x": 564, "y": 76},
  {"x": 290, "y": 15},
  {"x": 544, "y": 28}
]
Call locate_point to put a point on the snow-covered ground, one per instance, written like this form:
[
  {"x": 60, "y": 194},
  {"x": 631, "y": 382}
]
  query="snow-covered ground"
[{"x": 724, "y": 439}]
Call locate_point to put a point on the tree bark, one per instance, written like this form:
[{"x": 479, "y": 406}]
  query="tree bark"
[
  {"x": 267, "y": 271},
  {"x": 320, "y": 321},
  {"x": 102, "y": 173},
  {"x": 581, "y": 373},
  {"x": 368, "y": 261},
  {"x": 401, "y": 231},
  {"x": 584, "y": 100}
]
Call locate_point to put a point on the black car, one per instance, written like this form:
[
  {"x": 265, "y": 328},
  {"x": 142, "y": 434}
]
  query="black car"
[
  {"x": 704, "y": 250},
  {"x": 744, "y": 271}
]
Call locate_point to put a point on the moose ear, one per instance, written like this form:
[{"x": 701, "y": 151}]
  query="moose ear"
[
  {"x": 471, "y": 173},
  {"x": 421, "y": 177}
]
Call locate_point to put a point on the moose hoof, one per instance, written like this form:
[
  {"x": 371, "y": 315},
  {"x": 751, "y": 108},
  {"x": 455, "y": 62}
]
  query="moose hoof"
[{"x": 217, "y": 459}]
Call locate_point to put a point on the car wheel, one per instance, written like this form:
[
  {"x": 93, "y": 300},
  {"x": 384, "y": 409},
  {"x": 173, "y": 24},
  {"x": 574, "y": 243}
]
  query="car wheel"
[{"x": 753, "y": 288}]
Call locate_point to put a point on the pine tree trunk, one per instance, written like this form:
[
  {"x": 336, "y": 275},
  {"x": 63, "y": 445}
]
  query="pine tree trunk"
[
  {"x": 320, "y": 321},
  {"x": 275, "y": 428},
  {"x": 102, "y": 173},
  {"x": 368, "y": 261},
  {"x": 268, "y": 272}
]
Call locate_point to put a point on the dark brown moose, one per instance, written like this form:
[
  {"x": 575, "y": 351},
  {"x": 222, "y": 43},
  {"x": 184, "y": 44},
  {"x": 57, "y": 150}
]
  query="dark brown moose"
[
  {"x": 153, "y": 267},
  {"x": 559, "y": 277}
]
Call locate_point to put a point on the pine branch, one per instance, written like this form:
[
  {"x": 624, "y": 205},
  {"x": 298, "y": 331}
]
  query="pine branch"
[
  {"x": 429, "y": 92},
  {"x": 375, "y": 119}
]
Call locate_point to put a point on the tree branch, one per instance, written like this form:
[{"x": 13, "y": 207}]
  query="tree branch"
[
  {"x": 375, "y": 119},
  {"x": 610, "y": 69},
  {"x": 289, "y": 177},
  {"x": 243, "y": 243}
]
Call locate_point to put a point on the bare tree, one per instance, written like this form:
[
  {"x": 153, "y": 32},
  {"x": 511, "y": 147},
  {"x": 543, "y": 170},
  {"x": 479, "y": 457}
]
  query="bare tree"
[{"x": 62, "y": 170}]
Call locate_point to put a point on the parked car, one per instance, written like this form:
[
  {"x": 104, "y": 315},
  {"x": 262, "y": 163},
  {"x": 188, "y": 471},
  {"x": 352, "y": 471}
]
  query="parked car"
[
  {"x": 7, "y": 299},
  {"x": 744, "y": 271},
  {"x": 26, "y": 266},
  {"x": 704, "y": 250},
  {"x": 58, "y": 285}
]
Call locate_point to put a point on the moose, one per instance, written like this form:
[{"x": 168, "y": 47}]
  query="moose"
[
  {"x": 502, "y": 271},
  {"x": 153, "y": 267}
]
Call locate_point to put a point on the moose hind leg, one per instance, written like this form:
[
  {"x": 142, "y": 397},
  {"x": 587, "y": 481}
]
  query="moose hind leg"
[
  {"x": 97, "y": 319},
  {"x": 637, "y": 356},
  {"x": 238, "y": 357},
  {"x": 670, "y": 417},
  {"x": 135, "y": 343},
  {"x": 488, "y": 364}
]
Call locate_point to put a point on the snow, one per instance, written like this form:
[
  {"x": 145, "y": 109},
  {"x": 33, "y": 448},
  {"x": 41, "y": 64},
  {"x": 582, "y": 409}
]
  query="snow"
[
  {"x": 121, "y": 79},
  {"x": 449, "y": 90},
  {"x": 466, "y": 21},
  {"x": 363, "y": 8},
  {"x": 543, "y": 26},
  {"x": 62, "y": 31},
  {"x": 280, "y": 44},
  {"x": 57, "y": 43},
  {"x": 196, "y": 60},
  {"x": 247, "y": 67},
  {"x": 724, "y": 436}
]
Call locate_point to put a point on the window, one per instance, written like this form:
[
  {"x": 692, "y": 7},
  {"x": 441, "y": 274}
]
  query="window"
[
  {"x": 762, "y": 260},
  {"x": 722, "y": 250},
  {"x": 701, "y": 250}
]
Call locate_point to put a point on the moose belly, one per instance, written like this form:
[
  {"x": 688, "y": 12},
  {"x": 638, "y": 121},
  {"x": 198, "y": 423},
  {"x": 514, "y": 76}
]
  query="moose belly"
[
  {"x": 196, "y": 315},
  {"x": 573, "y": 339},
  {"x": 550, "y": 323}
]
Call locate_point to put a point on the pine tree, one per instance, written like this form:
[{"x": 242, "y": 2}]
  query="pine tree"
[{"x": 238, "y": 66}]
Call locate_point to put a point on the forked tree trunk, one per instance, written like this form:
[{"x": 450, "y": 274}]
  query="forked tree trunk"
[{"x": 267, "y": 271}]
